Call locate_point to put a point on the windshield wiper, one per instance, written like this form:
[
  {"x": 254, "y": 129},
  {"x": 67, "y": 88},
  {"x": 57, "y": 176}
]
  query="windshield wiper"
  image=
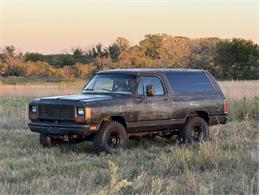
[
  {"x": 103, "y": 89},
  {"x": 87, "y": 90},
  {"x": 96, "y": 90}
]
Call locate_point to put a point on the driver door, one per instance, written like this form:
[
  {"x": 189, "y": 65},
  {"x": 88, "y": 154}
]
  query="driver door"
[{"x": 152, "y": 110}]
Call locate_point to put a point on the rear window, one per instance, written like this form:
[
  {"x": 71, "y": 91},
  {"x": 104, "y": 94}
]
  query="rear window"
[{"x": 184, "y": 82}]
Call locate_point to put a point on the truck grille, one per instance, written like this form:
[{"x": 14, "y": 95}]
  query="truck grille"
[{"x": 56, "y": 112}]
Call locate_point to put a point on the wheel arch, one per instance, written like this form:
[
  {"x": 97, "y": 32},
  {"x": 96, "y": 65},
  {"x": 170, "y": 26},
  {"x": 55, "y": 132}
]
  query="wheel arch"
[
  {"x": 201, "y": 113},
  {"x": 117, "y": 118}
]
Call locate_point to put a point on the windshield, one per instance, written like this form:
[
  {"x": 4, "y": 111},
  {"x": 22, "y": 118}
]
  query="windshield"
[{"x": 111, "y": 83}]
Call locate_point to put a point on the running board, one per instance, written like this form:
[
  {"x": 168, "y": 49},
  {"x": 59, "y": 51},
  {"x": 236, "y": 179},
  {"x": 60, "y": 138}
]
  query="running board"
[{"x": 153, "y": 133}]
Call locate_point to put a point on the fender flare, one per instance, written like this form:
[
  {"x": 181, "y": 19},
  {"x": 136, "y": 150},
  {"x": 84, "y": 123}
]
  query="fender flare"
[{"x": 112, "y": 118}]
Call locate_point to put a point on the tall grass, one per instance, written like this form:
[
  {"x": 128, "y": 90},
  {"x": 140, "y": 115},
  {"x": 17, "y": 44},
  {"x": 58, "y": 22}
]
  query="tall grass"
[
  {"x": 243, "y": 109},
  {"x": 226, "y": 164},
  {"x": 240, "y": 89}
]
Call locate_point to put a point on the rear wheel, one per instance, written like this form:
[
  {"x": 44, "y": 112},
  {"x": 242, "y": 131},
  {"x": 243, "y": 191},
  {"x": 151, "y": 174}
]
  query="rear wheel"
[
  {"x": 195, "y": 130},
  {"x": 110, "y": 137}
]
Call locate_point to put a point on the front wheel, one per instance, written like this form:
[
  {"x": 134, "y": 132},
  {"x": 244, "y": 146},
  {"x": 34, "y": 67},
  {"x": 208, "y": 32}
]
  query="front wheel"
[
  {"x": 110, "y": 137},
  {"x": 45, "y": 140},
  {"x": 195, "y": 130}
]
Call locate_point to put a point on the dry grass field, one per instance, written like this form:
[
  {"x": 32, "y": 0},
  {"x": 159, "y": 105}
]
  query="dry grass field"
[
  {"x": 240, "y": 89},
  {"x": 232, "y": 89},
  {"x": 227, "y": 164},
  {"x": 41, "y": 89}
]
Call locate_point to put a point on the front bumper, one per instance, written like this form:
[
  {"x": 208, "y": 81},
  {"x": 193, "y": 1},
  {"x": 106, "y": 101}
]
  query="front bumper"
[{"x": 60, "y": 129}]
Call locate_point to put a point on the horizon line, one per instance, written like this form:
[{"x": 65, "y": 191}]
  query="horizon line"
[{"x": 70, "y": 49}]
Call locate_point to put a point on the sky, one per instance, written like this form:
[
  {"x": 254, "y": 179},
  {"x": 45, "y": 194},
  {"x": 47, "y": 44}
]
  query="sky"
[{"x": 58, "y": 26}]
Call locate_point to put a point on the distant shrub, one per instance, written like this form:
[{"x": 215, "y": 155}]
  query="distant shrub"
[
  {"x": 82, "y": 70},
  {"x": 41, "y": 69},
  {"x": 79, "y": 71},
  {"x": 15, "y": 69},
  {"x": 3, "y": 68},
  {"x": 67, "y": 72}
]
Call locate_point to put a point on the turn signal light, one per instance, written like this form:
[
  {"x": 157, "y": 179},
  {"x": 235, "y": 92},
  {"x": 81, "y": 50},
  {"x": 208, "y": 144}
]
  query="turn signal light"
[
  {"x": 83, "y": 115},
  {"x": 79, "y": 119},
  {"x": 33, "y": 117}
]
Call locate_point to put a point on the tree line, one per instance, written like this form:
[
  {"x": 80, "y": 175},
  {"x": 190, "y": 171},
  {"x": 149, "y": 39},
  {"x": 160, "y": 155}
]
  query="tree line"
[{"x": 224, "y": 58}]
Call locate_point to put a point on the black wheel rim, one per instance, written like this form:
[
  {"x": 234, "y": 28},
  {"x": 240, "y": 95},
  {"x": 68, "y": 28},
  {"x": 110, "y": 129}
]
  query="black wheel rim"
[
  {"x": 196, "y": 133},
  {"x": 113, "y": 140}
]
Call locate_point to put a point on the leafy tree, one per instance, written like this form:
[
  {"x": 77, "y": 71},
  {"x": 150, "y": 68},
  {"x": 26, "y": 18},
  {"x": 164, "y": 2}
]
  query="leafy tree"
[
  {"x": 122, "y": 43},
  {"x": 225, "y": 59},
  {"x": 78, "y": 54},
  {"x": 203, "y": 54},
  {"x": 3, "y": 68},
  {"x": 33, "y": 57},
  {"x": 114, "y": 51},
  {"x": 116, "y": 48},
  {"x": 67, "y": 59},
  {"x": 175, "y": 51},
  {"x": 97, "y": 51},
  {"x": 238, "y": 59},
  {"x": 151, "y": 45},
  {"x": 81, "y": 70},
  {"x": 10, "y": 50}
]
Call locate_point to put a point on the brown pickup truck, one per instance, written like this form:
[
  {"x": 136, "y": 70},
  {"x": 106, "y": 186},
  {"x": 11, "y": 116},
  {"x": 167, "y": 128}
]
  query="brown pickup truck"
[{"x": 122, "y": 103}]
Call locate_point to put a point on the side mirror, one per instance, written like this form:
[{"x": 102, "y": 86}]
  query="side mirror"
[{"x": 150, "y": 90}]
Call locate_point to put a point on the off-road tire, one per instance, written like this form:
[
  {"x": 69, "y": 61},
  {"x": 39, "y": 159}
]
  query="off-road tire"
[
  {"x": 106, "y": 133},
  {"x": 45, "y": 140},
  {"x": 195, "y": 130}
]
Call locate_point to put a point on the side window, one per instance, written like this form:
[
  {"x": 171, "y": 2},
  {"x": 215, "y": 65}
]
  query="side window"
[
  {"x": 156, "y": 82},
  {"x": 185, "y": 82}
]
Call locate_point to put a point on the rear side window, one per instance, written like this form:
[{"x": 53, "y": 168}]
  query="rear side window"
[{"x": 184, "y": 82}]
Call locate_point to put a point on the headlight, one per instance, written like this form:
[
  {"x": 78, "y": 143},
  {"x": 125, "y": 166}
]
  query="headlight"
[
  {"x": 83, "y": 115},
  {"x": 33, "y": 113},
  {"x": 80, "y": 111},
  {"x": 34, "y": 109}
]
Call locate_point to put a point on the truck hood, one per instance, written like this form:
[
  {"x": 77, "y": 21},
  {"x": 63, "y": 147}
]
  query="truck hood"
[{"x": 81, "y": 98}]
